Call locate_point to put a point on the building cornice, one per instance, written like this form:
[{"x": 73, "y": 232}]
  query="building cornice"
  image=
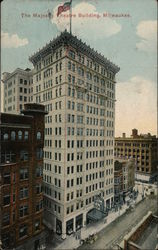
[
  {"x": 68, "y": 39},
  {"x": 18, "y": 71}
]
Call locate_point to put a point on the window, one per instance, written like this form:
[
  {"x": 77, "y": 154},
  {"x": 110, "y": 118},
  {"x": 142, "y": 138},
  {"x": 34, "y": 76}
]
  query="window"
[
  {"x": 38, "y": 135},
  {"x": 24, "y": 174},
  {"x": 24, "y": 156},
  {"x": 37, "y": 225},
  {"x": 23, "y": 210},
  {"x": 6, "y": 219},
  {"x": 20, "y": 135},
  {"x": 73, "y": 79},
  {"x": 39, "y": 205},
  {"x": 5, "y": 136},
  {"x": 39, "y": 172},
  {"x": 6, "y": 200},
  {"x": 26, "y": 135},
  {"x": 39, "y": 153},
  {"x": 13, "y": 135},
  {"x": 69, "y": 78},
  {"x": 23, "y": 231},
  {"x": 72, "y": 54},
  {"x": 24, "y": 192},
  {"x": 69, "y": 65},
  {"x": 38, "y": 189},
  {"x": 25, "y": 99},
  {"x": 8, "y": 157},
  {"x": 6, "y": 178}
]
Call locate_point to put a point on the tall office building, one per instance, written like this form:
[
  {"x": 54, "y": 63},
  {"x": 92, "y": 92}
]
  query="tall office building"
[
  {"x": 77, "y": 86},
  {"x": 18, "y": 90}
]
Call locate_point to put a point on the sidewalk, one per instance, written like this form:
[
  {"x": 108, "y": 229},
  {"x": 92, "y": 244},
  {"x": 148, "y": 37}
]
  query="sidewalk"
[{"x": 71, "y": 242}]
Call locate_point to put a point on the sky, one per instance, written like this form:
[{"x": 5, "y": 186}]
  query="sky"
[{"x": 124, "y": 31}]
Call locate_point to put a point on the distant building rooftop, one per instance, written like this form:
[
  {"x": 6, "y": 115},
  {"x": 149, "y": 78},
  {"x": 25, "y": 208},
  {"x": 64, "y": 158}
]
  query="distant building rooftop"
[
  {"x": 136, "y": 136},
  {"x": 7, "y": 75}
]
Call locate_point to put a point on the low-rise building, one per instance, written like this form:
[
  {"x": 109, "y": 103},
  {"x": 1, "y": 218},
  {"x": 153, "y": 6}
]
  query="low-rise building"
[
  {"x": 21, "y": 162},
  {"x": 143, "y": 235},
  {"x": 143, "y": 149},
  {"x": 118, "y": 181},
  {"x": 124, "y": 178}
]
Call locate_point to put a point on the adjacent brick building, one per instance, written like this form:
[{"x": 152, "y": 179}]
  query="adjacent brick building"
[
  {"x": 143, "y": 149},
  {"x": 22, "y": 139}
]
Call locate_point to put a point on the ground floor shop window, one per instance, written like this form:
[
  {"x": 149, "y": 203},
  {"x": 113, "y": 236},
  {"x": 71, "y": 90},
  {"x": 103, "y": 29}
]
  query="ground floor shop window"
[
  {"x": 58, "y": 227},
  {"x": 79, "y": 221},
  {"x": 69, "y": 227}
]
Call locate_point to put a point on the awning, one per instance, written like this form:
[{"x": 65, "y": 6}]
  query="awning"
[{"x": 95, "y": 215}]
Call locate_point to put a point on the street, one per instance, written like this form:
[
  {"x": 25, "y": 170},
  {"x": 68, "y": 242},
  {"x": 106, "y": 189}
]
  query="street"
[{"x": 114, "y": 232}]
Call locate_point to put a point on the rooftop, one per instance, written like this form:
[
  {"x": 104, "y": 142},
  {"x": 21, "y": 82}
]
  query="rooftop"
[
  {"x": 65, "y": 38},
  {"x": 136, "y": 136},
  {"x": 7, "y": 75},
  {"x": 24, "y": 119},
  {"x": 148, "y": 239}
]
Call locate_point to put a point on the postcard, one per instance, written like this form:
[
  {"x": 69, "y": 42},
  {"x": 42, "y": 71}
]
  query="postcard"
[{"x": 90, "y": 68}]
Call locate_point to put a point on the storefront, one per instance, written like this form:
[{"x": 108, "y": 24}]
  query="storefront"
[
  {"x": 58, "y": 227},
  {"x": 108, "y": 204},
  {"x": 69, "y": 227},
  {"x": 79, "y": 221}
]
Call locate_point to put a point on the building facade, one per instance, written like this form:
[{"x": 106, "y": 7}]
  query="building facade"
[
  {"x": 118, "y": 182},
  {"x": 124, "y": 177},
  {"x": 21, "y": 163},
  {"x": 143, "y": 149},
  {"x": 17, "y": 90},
  {"x": 77, "y": 86}
]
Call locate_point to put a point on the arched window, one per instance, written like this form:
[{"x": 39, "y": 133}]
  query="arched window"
[
  {"x": 26, "y": 135},
  {"x": 5, "y": 136},
  {"x": 13, "y": 135},
  {"x": 20, "y": 135},
  {"x": 38, "y": 135}
]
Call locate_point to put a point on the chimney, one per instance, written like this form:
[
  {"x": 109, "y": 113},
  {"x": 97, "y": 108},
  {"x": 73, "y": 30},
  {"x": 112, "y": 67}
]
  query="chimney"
[
  {"x": 134, "y": 132},
  {"x": 123, "y": 135}
]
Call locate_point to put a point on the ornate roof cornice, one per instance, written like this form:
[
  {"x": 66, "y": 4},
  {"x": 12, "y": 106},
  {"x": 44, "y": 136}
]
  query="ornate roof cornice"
[
  {"x": 68, "y": 39},
  {"x": 18, "y": 71}
]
